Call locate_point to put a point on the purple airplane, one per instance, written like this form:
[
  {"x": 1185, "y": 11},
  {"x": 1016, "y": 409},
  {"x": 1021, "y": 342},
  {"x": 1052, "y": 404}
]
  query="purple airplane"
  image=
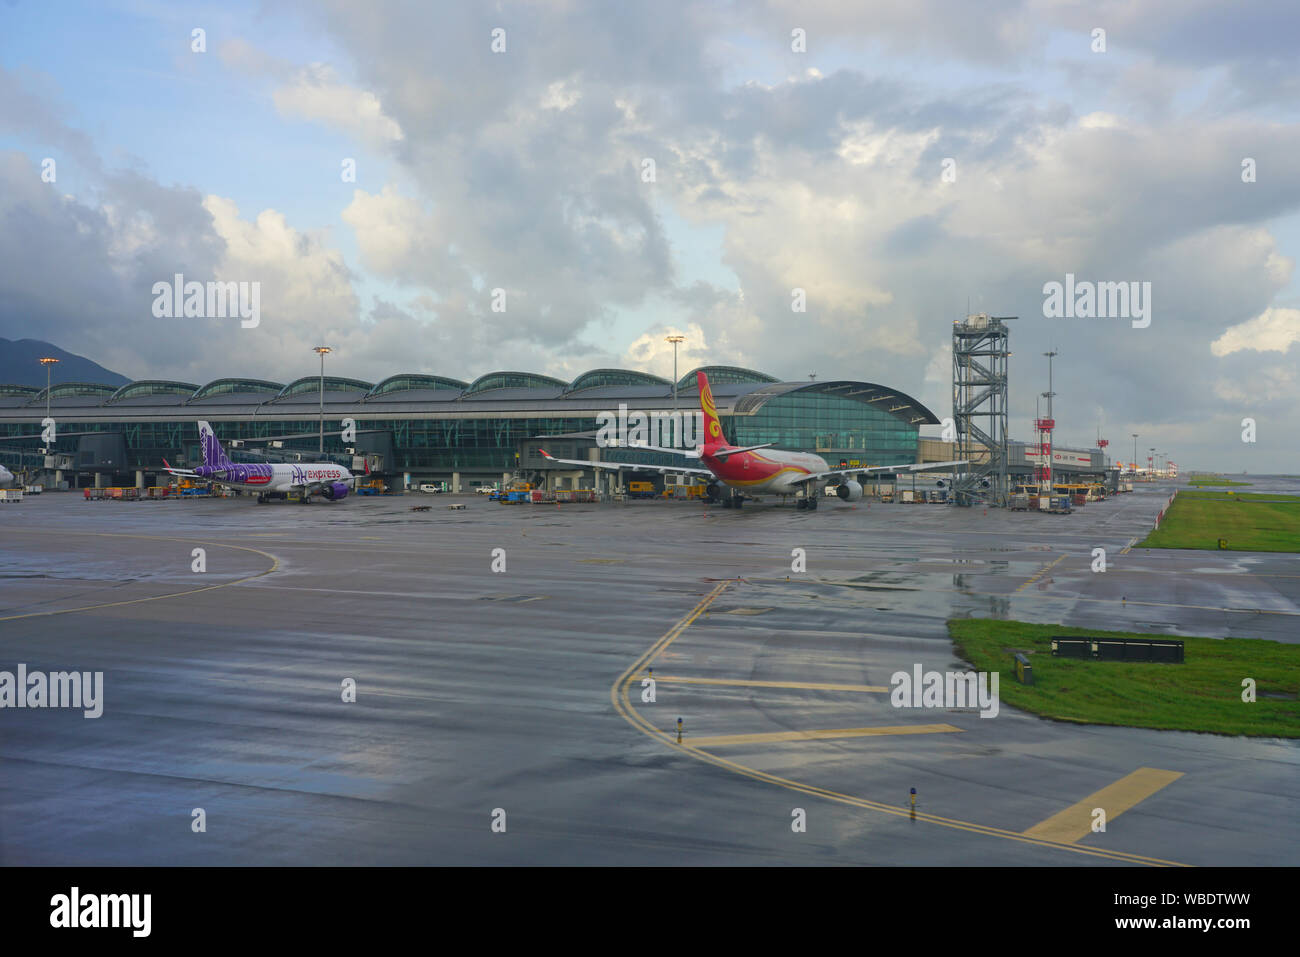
[{"x": 317, "y": 478}]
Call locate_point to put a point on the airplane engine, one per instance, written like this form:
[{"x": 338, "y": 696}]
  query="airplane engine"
[
  {"x": 335, "y": 490},
  {"x": 849, "y": 491},
  {"x": 941, "y": 483},
  {"x": 712, "y": 492}
]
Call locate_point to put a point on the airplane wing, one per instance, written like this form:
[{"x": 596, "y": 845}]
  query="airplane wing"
[
  {"x": 695, "y": 453},
  {"x": 724, "y": 453},
  {"x": 167, "y": 467},
  {"x": 637, "y": 467},
  {"x": 849, "y": 473},
  {"x": 646, "y": 447}
]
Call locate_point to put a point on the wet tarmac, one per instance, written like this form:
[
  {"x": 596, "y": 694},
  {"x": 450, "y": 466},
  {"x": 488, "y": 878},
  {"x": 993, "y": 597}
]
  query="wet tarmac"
[{"x": 482, "y": 692}]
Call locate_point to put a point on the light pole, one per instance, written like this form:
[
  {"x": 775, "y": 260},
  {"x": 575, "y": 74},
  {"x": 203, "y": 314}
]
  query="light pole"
[
  {"x": 1135, "y": 454},
  {"x": 1151, "y": 464},
  {"x": 1049, "y": 394},
  {"x": 323, "y": 351},
  {"x": 674, "y": 339},
  {"x": 48, "y": 362},
  {"x": 681, "y": 426}
]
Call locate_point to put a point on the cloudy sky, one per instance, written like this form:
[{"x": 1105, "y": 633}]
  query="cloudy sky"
[{"x": 626, "y": 170}]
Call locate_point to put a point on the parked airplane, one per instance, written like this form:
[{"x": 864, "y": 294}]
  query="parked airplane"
[
  {"x": 315, "y": 478},
  {"x": 746, "y": 472},
  {"x": 6, "y": 477}
]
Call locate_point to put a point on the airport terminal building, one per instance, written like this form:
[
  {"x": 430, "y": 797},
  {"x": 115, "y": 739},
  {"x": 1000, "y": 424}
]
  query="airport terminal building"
[{"x": 415, "y": 428}]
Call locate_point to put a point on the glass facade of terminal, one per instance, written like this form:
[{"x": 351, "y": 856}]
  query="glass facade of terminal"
[
  {"x": 824, "y": 423},
  {"x": 425, "y": 434},
  {"x": 814, "y": 423}
]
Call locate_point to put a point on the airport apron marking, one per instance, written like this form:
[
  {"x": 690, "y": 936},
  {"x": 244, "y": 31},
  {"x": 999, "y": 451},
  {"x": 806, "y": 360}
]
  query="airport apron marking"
[
  {"x": 618, "y": 694},
  {"x": 1075, "y": 822},
  {"x": 801, "y": 685},
  {"x": 1041, "y": 572},
  {"x": 724, "y": 740},
  {"x": 1018, "y": 594},
  {"x": 275, "y": 566}
]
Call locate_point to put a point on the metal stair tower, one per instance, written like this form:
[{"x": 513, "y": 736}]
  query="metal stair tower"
[{"x": 979, "y": 408}]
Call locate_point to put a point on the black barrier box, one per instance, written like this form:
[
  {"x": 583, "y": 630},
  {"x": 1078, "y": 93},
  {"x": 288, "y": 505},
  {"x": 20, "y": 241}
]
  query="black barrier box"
[
  {"x": 1166, "y": 650},
  {"x": 1024, "y": 670},
  {"x": 1071, "y": 647},
  {"x": 1134, "y": 649}
]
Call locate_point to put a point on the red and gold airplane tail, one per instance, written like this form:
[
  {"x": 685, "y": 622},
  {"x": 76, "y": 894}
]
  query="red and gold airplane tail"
[{"x": 713, "y": 437}]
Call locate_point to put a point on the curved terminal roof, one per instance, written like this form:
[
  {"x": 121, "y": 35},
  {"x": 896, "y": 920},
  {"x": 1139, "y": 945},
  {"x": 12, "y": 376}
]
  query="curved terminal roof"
[
  {"x": 415, "y": 382},
  {"x": 240, "y": 386},
  {"x": 332, "y": 383},
  {"x": 66, "y": 390},
  {"x": 898, "y": 404},
  {"x": 605, "y": 377},
  {"x": 724, "y": 375},
  {"x": 147, "y": 387},
  {"x": 514, "y": 380},
  {"x": 739, "y": 391}
]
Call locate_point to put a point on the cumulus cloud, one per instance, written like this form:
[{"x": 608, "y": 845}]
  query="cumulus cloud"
[
  {"x": 652, "y": 352},
  {"x": 1273, "y": 330},
  {"x": 315, "y": 93}
]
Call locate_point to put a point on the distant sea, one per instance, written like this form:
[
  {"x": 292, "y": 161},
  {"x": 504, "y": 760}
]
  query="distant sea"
[{"x": 1276, "y": 484}]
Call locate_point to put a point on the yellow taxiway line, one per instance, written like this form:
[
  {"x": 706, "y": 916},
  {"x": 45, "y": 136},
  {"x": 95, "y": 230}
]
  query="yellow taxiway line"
[
  {"x": 800, "y": 685},
  {"x": 1041, "y": 572},
  {"x": 619, "y": 697},
  {"x": 722, "y": 740},
  {"x": 1075, "y": 821}
]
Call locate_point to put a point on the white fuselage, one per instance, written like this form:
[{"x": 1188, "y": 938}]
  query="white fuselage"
[{"x": 276, "y": 477}]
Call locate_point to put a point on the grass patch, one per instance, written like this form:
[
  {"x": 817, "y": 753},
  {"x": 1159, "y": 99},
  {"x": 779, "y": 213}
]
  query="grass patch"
[
  {"x": 1250, "y": 521},
  {"x": 1213, "y": 480},
  {"x": 1202, "y": 694}
]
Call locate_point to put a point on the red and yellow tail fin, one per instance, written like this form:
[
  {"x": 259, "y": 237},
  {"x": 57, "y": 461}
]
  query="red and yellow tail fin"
[{"x": 712, "y": 427}]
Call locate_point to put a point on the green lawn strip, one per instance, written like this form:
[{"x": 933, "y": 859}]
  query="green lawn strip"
[
  {"x": 1249, "y": 521},
  {"x": 1202, "y": 694},
  {"x": 1213, "y": 480}
]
